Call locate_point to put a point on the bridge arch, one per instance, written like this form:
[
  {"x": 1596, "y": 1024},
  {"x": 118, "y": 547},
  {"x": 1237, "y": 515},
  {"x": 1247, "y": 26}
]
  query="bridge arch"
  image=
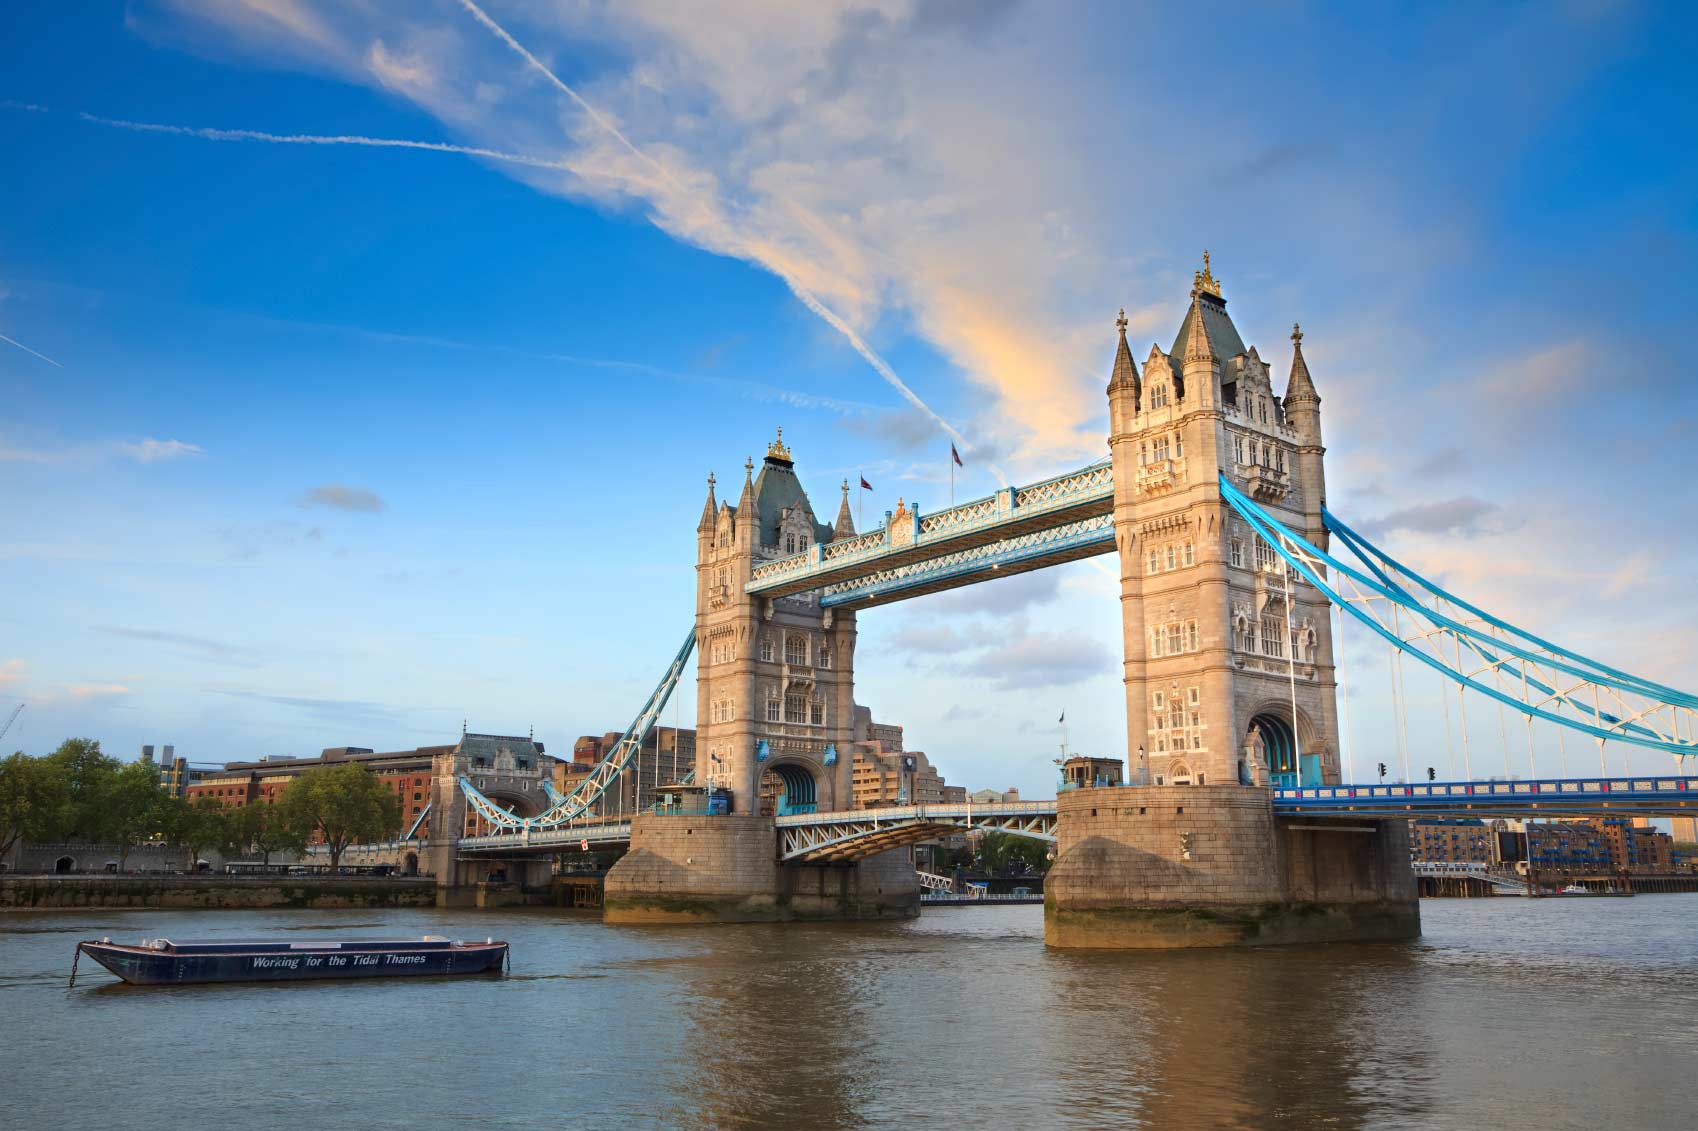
[
  {"x": 1270, "y": 744},
  {"x": 792, "y": 788}
]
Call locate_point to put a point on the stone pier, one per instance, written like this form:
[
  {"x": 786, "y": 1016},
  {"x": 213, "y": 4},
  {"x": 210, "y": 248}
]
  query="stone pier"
[
  {"x": 1163, "y": 867},
  {"x": 724, "y": 869}
]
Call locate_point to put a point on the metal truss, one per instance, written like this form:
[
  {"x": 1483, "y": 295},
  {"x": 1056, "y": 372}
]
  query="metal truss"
[
  {"x": 843, "y": 837},
  {"x": 1478, "y": 651},
  {"x": 932, "y": 882},
  {"x": 911, "y": 536},
  {"x": 550, "y": 841},
  {"x": 1051, "y": 546},
  {"x": 606, "y": 774},
  {"x": 413, "y": 829},
  {"x": 1544, "y": 797}
]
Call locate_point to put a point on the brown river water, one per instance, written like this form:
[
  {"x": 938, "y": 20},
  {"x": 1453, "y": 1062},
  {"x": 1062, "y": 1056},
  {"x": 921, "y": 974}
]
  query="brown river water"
[{"x": 1508, "y": 1013}]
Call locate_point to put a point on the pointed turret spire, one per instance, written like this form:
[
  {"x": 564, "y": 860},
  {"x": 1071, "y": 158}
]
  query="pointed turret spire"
[
  {"x": 1198, "y": 347},
  {"x": 747, "y": 498},
  {"x": 709, "y": 509},
  {"x": 1301, "y": 387},
  {"x": 845, "y": 527},
  {"x": 1125, "y": 373}
]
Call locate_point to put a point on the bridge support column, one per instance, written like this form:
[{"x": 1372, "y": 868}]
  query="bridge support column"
[
  {"x": 724, "y": 869},
  {"x": 1165, "y": 867}
]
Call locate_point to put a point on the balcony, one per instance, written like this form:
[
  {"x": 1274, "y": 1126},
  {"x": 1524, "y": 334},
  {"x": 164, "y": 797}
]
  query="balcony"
[
  {"x": 1266, "y": 484},
  {"x": 1160, "y": 475}
]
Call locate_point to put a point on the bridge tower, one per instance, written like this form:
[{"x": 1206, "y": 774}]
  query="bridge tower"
[
  {"x": 775, "y": 726},
  {"x": 1229, "y": 677},
  {"x": 775, "y": 692}
]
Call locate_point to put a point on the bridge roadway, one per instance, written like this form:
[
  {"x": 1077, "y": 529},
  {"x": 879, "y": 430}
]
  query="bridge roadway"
[{"x": 853, "y": 834}]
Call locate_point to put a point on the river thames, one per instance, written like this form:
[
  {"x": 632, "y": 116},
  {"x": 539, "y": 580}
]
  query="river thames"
[{"x": 1507, "y": 1013}]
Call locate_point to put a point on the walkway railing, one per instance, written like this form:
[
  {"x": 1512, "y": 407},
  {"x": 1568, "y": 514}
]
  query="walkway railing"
[{"x": 1631, "y": 796}]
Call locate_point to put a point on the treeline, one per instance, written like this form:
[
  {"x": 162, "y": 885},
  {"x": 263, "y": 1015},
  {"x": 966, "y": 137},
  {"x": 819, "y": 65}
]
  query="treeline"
[{"x": 77, "y": 792}]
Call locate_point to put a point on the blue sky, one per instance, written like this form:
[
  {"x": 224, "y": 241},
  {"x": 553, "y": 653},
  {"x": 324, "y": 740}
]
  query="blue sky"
[{"x": 343, "y": 443}]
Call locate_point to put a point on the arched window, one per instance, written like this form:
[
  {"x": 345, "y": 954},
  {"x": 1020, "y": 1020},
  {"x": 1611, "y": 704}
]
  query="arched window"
[
  {"x": 1155, "y": 562},
  {"x": 1190, "y": 554},
  {"x": 1178, "y": 446},
  {"x": 1170, "y": 560}
]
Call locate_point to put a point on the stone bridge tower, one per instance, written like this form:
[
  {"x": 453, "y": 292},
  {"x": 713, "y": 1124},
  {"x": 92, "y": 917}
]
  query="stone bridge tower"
[
  {"x": 1215, "y": 657},
  {"x": 775, "y": 677}
]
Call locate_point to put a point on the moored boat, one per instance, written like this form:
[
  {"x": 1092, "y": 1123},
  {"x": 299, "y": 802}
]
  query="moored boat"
[{"x": 157, "y": 962}]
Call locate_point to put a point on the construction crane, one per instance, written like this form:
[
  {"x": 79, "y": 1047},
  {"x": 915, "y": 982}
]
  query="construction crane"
[{"x": 10, "y": 719}]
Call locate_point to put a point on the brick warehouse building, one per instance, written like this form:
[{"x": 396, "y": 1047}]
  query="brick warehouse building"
[{"x": 406, "y": 772}]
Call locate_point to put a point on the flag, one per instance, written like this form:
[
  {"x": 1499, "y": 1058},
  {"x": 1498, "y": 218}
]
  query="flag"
[
  {"x": 1063, "y": 717},
  {"x": 956, "y": 456},
  {"x": 865, "y": 486}
]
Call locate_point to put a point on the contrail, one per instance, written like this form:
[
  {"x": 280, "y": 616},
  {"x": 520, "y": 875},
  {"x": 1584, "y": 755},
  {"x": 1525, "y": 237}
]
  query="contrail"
[
  {"x": 809, "y": 299},
  {"x": 26, "y": 349},
  {"x": 210, "y": 134}
]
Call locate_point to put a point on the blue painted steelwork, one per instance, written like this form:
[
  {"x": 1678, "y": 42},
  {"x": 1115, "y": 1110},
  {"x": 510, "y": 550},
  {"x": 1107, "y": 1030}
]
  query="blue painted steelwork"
[
  {"x": 413, "y": 829},
  {"x": 1083, "y": 538},
  {"x": 606, "y": 772},
  {"x": 555, "y": 797},
  {"x": 913, "y": 537},
  {"x": 1622, "y": 797},
  {"x": 1654, "y": 722}
]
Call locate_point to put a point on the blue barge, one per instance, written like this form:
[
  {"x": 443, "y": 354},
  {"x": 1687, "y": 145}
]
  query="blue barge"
[{"x": 157, "y": 962}]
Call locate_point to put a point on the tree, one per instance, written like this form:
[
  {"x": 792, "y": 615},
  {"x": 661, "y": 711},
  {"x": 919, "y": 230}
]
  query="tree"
[
  {"x": 32, "y": 800},
  {"x": 266, "y": 829},
  {"x": 1005, "y": 852},
  {"x": 196, "y": 826},
  {"x": 133, "y": 808},
  {"x": 87, "y": 777},
  {"x": 343, "y": 804}
]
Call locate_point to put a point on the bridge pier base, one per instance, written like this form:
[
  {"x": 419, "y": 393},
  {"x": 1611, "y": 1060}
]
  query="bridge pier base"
[
  {"x": 1167, "y": 867},
  {"x": 724, "y": 869}
]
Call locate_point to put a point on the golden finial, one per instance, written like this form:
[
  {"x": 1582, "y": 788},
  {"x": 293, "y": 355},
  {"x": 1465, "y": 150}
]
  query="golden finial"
[
  {"x": 1204, "y": 280},
  {"x": 1297, "y": 333},
  {"x": 711, "y": 481},
  {"x": 776, "y": 449},
  {"x": 1121, "y": 322},
  {"x": 748, "y": 468}
]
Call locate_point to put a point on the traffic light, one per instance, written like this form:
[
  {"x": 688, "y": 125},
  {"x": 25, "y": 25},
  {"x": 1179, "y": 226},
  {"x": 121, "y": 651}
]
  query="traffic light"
[
  {"x": 1431, "y": 775},
  {"x": 1382, "y": 771}
]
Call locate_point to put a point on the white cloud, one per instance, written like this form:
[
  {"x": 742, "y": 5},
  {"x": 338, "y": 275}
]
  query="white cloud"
[
  {"x": 11, "y": 672},
  {"x": 338, "y": 496},
  {"x": 156, "y": 451},
  {"x": 97, "y": 690}
]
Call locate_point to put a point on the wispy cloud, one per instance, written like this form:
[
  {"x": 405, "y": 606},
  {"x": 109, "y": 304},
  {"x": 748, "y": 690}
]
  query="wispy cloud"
[
  {"x": 196, "y": 647},
  {"x": 11, "y": 672},
  {"x": 97, "y": 690},
  {"x": 156, "y": 451},
  {"x": 140, "y": 451},
  {"x": 338, "y": 496}
]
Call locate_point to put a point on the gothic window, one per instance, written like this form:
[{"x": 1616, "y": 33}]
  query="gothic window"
[
  {"x": 772, "y": 711},
  {"x": 1279, "y": 458},
  {"x": 795, "y": 649},
  {"x": 766, "y": 649},
  {"x": 1251, "y": 643},
  {"x": 1158, "y": 396},
  {"x": 1159, "y": 451},
  {"x": 1176, "y": 720},
  {"x": 1175, "y": 640},
  {"x": 1155, "y": 562},
  {"x": 1179, "y": 742},
  {"x": 1193, "y": 697},
  {"x": 1264, "y": 555},
  {"x": 1264, "y": 405},
  {"x": 1143, "y": 454},
  {"x": 816, "y": 713},
  {"x": 824, "y": 654},
  {"x": 1190, "y": 555},
  {"x": 1238, "y": 448},
  {"x": 1191, "y": 636},
  {"x": 1159, "y": 701},
  {"x": 1237, "y": 553},
  {"x": 1196, "y": 719},
  {"x": 1170, "y": 562},
  {"x": 790, "y": 543},
  {"x": 1156, "y": 642},
  {"x": 1178, "y": 446},
  {"x": 795, "y": 709},
  {"x": 1273, "y": 637}
]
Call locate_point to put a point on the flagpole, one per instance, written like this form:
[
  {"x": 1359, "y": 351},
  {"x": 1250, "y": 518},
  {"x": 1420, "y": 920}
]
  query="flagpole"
[
  {"x": 952, "y": 477},
  {"x": 860, "y": 495}
]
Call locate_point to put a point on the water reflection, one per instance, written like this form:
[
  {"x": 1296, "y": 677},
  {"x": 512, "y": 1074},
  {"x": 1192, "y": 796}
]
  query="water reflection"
[{"x": 1548, "y": 1014}]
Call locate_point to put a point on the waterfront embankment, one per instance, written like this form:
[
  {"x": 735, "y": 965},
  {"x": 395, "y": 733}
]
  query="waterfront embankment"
[{"x": 48, "y": 893}]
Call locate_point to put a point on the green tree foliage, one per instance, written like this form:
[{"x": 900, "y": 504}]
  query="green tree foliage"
[
  {"x": 343, "y": 804},
  {"x": 266, "y": 829},
  {"x": 1006, "y": 854},
  {"x": 32, "y": 800},
  {"x": 88, "y": 777},
  {"x": 133, "y": 808},
  {"x": 195, "y": 826}
]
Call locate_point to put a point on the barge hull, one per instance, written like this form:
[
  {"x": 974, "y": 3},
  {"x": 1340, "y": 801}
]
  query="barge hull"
[{"x": 154, "y": 968}]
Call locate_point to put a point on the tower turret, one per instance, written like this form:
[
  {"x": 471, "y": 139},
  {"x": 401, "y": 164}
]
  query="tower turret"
[
  {"x": 1303, "y": 412},
  {"x": 845, "y": 526},
  {"x": 1125, "y": 391}
]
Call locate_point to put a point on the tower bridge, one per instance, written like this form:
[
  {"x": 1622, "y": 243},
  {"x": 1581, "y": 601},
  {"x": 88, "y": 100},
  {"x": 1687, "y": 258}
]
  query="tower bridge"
[{"x": 1237, "y": 827}]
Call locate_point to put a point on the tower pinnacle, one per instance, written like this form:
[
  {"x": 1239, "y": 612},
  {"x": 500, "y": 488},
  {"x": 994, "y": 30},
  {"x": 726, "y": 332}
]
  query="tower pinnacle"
[{"x": 1301, "y": 387}]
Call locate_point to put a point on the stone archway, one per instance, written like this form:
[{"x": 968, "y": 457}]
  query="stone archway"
[
  {"x": 64, "y": 866},
  {"x": 1272, "y": 745},
  {"x": 410, "y": 864},
  {"x": 788, "y": 788}
]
